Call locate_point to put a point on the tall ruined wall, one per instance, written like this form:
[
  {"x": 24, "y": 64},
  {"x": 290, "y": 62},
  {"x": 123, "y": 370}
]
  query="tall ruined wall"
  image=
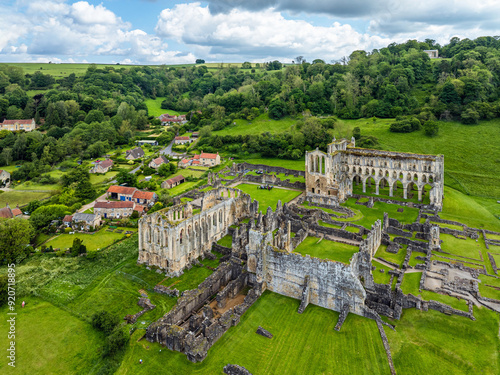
[
  {"x": 335, "y": 173},
  {"x": 240, "y": 167},
  {"x": 173, "y": 244}
]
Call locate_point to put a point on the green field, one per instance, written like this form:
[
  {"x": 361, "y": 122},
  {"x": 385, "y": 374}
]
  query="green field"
[
  {"x": 55, "y": 70},
  {"x": 260, "y": 124},
  {"x": 50, "y": 340},
  {"x": 102, "y": 177},
  {"x": 155, "y": 109},
  {"x": 434, "y": 343},
  {"x": 298, "y": 165},
  {"x": 326, "y": 249},
  {"x": 302, "y": 344},
  {"x": 226, "y": 241},
  {"x": 268, "y": 198},
  {"x": 18, "y": 197},
  {"x": 95, "y": 241},
  {"x": 394, "y": 258},
  {"x": 381, "y": 277}
]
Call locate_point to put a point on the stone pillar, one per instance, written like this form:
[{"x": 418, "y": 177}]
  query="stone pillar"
[
  {"x": 420, "y": 194},
  {"x": 364, "y": 186},
  {"x": 377, "y": 187},
  {"x": 405, "y": 192},
  {"x": 390, "y": 190}
]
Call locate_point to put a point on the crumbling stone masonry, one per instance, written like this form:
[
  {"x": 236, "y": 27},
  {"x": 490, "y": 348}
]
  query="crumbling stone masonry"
[
  {"x": 173, "y": 237},
  {"x": 330, "y": 176}
]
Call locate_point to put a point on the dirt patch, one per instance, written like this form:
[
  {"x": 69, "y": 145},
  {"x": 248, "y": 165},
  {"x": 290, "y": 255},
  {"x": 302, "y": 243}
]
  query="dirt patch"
[{"x": 238, "y": 300}]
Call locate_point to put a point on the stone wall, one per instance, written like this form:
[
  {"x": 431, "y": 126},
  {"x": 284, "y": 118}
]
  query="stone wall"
[{"x": 240, "y": 167}]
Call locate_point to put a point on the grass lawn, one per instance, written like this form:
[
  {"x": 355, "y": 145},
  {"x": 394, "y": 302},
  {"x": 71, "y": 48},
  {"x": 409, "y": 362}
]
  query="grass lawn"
[
  {"x": 102, "y": 177},
  {"x": 155, "y": 109},
  {"x": 182, "y": 188},
  {"x": 381, "y": 277},
  {"x": 323, "y": 224},
  {"x": 449, "y": 226},
  {"x": 29, "y": 185},
  {"x": 487, "y": 291},
  {"x": 466, "y": 248},
  {"x": 50, "y": 340},
  {"x": 260, "y": 124},
  {"x": 394, "y": 258},
  {"x": 94, "y": 241},
  {"x": 190, "y": 279},
  {"x": 327, "y": 210},
  {"x": 302, "y": 344},
  {"x": 370, "y": 215},
  {"x": 21, "y": 197},
  {"x": 226, "y": 241},
  {"x": 268, "y": 198},
  {"x": 434, "y": 343},
  {"x": 326, "y": 249}
]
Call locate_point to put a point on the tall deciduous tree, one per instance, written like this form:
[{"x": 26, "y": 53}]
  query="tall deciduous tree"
[{"x": 15, "y": 235}]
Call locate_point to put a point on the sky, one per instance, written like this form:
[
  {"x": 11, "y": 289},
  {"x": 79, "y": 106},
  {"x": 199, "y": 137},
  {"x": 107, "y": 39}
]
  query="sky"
[{"x": 179, "y": 32}]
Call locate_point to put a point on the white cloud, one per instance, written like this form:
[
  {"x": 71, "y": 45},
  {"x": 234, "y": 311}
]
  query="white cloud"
[
  {"x": 260, "y": 34},
  {"x": 78, "y": 31}
]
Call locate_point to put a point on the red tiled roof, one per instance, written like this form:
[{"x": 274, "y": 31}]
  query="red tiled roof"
[
  {"x": 138, "y": 194},
  {"x": 139, "y": 208},
  {"x": 185, "y": 161},
  {"x": 175, "y": 179},
  {"x": 12, "y": 122},
  {"x": 68, "y": 219},
  {"x": 182, "y": 138},
  {"x": 208, "y": 156},
  {"x": 122, "y": 190},
  {"x": 120, "y": 204},
  {"x": 16, "y": 212},
  {"x": 196, "y": 162},
  {"x": 106, "y": 163},
  {"x": 196, "y": 157}
]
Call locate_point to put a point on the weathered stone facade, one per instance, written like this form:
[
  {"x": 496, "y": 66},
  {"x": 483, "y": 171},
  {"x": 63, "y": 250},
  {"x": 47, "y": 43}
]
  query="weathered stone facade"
[
  {"x": 330, "y": 176},
  {"x": 172, "y": 238}
]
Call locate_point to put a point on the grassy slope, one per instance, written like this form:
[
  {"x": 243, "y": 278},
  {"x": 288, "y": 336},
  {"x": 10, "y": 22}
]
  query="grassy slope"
[
  {"x": 268, "y": 198},
  {"x": 155, "y": 109},
  {"x": 302, "y": 344},
  {"x": 50, "y": 340},
  {"x": 20, "y": 197},
  {"x": 260, "y": 124},
  {"x": 434, "y": 343}
]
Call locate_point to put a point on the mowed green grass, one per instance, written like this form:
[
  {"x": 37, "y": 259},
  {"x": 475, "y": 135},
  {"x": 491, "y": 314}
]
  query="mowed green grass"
[
  {"x": 467, "y": 248},
  {"x": 49, "y": 340},
  {"x": 302, "y": 344},
  {"x": 100, "y": 178},
  {"x": 261, "y": 124},
  {"x": 95, "y": 241},
  {"x": 434, "y": 343},
  {"x": 470, "y": 164},
  {"x": 268, "y": 198},
  {"x": 21, "y": 198},
  {"x": 155, "y": 109},
  {"x": 326, "y": 249}
]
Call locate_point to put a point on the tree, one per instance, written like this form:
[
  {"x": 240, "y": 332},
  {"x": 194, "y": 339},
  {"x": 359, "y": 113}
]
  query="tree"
[
  {"x": 431, "y": 128},
  {"x": 104, "y": 321},
  {"x": 164, "y": 170},
  {"x": 356, "y": 133},
  {"x": 449, "y": 94},
  {"x": 300, "y": 59},
  {"x": 246, "y": 65},
  {"x": 42, "y": 216},
  {"x": 200, "y": 61},
  {"x": 277, "y": 109},
  {"x": 78, "y": 247},
  {"x": 116, "y": 341},
  {"x": 15, "y": 235},
  {"x": 470, "y": 116},
  {"x": 123, "y": 177}
]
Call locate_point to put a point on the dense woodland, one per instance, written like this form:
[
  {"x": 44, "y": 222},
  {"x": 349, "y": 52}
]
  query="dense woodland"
[{"x": 87, "y": 116}]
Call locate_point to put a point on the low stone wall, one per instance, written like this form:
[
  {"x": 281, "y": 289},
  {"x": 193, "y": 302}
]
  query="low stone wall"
[
  {"x": 240, "y": 167},
  {"x": 273, "y": 180}
]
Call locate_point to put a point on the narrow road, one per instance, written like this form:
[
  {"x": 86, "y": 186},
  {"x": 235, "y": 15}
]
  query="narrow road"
[{"x": 91, "y": 204}]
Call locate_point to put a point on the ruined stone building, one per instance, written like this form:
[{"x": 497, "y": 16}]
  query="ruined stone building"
[
  {"x": 173, "y": 237},
  {"x": 331, "y": 176}
]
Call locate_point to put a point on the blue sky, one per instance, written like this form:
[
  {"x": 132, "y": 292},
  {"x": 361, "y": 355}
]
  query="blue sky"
[{"x": 176, "y": 32}]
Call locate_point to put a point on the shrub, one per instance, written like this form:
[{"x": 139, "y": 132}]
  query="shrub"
[
  {"x": 431, "y": 128},
  {"x": 67, "y": 230},
  {"x": 116, "y": 341},
  {"x": 104, "y": 321}
]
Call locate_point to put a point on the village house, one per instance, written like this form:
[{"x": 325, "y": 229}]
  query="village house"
[
  {"x": 9, "y": 213},
  {"x": 123, "y": 193},
  {"x": 167, "y": 119},
  {"x": 136, "y": 153},
  {"x": 15, "y": 125},
  {"x": 114, "y": 209},
  {"x": 4, "y": 178},
  {"x": 67, "y": 220},
  {"x": 182, "y": 140},
  {"x": 171, "y": 182},
  {"x": 209, "y": 160},
  {"x": 156, "y": 163},
  {"x": 102, "y": 166},
  {"x": 86, "y": 222},
  {"x": 433, "y": 53},
  {"x": 195, "y": 134},
  {"x": 144, "y": 197}
]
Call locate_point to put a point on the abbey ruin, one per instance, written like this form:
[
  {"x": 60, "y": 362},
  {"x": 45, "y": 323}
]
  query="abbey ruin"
[
  {"x": 264, "y": 252},
  {"x": 331, "y": 176}
]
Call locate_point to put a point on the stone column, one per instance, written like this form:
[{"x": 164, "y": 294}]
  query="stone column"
[
  {"x": 390, "y": 190},
  {"x": 405, "y": 192},
  {"x": 420, "y": 194},
  {"x": 364, "y": 186},
  {"x": 377, "y": 187}
]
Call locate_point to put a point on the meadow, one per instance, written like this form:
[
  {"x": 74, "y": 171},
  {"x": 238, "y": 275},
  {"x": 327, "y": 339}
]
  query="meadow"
[
  {"x": 261, "y": 124},
  {"x": 19, "y": 197},
  {"x": 155, "y": 109}
]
